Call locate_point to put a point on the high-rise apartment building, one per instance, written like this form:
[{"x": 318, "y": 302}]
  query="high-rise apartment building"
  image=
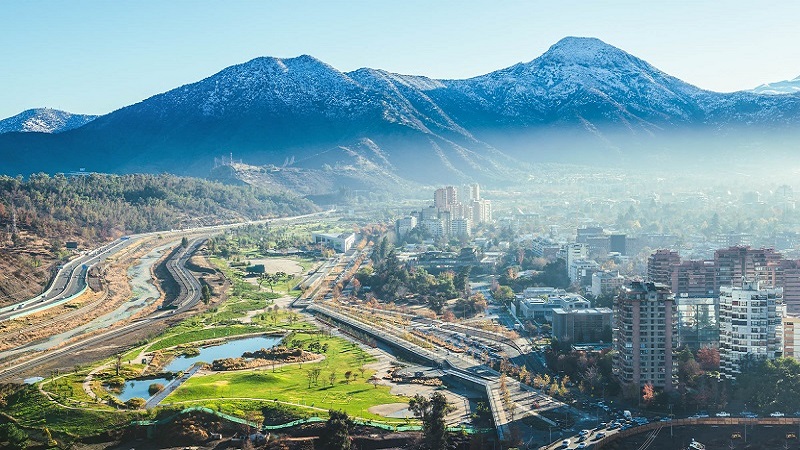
[
  {"x": 733, "y": 265},
  {"x": 660, "y": 266},
  {"x": 645, "y": 335},
  {"x": 791, "y": 337},
  {"x": 445, "y": 197},
  {"x": 750, "y": 322}
]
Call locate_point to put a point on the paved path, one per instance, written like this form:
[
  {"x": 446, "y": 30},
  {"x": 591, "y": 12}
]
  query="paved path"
[{"x": 153, "y": 401}]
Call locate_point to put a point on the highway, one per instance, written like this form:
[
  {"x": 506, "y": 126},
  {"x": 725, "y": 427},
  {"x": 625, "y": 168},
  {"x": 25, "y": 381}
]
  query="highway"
[
  {"x": 523, "y": 399},
  {"x": 70, "y": 280},
  {"x": 189, "y": 296}
]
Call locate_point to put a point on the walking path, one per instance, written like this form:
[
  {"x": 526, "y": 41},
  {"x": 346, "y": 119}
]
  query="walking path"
[{"x": 153, "y": 401}]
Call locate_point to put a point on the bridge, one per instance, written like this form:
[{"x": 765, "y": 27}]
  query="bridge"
[{"x": 506, "y": 404}]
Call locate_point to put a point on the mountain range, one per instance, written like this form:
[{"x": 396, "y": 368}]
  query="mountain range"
[
  {"x": 779, "y": 87},
  {"x": 44, "y": 120},
  {"x": 583, "y": 101}
]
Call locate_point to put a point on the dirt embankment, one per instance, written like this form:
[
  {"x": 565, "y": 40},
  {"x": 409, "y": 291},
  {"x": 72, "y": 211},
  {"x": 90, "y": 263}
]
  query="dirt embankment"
[
  {"x": 25, "y": 268},
  {"x": 116, "y": 290}
]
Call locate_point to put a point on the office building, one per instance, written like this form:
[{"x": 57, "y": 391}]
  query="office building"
[{"x": 582, "y": 326}]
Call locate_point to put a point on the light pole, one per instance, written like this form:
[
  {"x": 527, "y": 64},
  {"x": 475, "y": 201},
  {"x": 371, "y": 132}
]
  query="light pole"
[{"x": 670, "y": 420}]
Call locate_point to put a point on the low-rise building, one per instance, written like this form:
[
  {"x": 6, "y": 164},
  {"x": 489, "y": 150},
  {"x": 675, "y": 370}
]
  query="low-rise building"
[
  {"x": 606, "y": 283},
  {"x": 339, "y": 242},
  {"x": 405, "y": 225},
  {"x": 540, "y": 304},
  {"x": 582, "y": 326}
]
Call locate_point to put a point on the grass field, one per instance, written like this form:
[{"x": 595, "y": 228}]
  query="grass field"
[{"x": 291, "y": 383}]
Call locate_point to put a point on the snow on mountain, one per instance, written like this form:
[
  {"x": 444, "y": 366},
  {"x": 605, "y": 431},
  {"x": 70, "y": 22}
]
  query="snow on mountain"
[
  {"x": 779, "y": 87},
  {"x": 44, "y": 120},
  {"x": 269, "y": 110}
]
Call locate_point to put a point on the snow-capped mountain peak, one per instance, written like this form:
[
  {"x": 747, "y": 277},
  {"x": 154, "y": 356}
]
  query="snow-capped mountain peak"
[
  {"x": 44, "y": 120},
  {"x": 779, "y": 87}
]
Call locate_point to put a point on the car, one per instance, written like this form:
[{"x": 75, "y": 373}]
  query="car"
[
  {"x": 777, "y": 414},
  {"x": 665, "y": 419},
  {"x": 581, "y": 445},
  {"x": 584, "y": 432},
  {"x": 600, "y": 435},
  {"x": 702, "y": 414},
  {"x": 723, "y": 414},
  {"x": 565, "y": 443}
]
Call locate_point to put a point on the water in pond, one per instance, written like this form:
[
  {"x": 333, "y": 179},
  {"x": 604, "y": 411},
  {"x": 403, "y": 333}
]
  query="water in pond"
[
  {"x": 139, "y": 388},
  {"x": 230, "y": 349}
]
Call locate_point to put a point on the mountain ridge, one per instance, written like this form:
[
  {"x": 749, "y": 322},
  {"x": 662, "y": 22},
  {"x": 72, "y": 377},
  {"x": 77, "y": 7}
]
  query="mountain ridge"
[
  {"x": 44, "y": 120},
  {"x": 581, "y": 98}
]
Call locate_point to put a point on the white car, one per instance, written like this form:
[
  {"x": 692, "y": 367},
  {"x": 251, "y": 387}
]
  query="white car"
[
  {"x": 723, "y": 414},
  {"x": 565, "y": 443},
  {"x": 777, "y": 414},
  {"x": 581, "y": 445}
]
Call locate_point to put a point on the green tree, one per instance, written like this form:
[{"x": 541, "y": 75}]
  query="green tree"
[
  {"x": 12, "y": 437},
  {"x": 206, "y": 294},
  {"x": 184, "y": 242},
  {"x": 432, "y": 411},
  {"x": 336, "y": 434}
]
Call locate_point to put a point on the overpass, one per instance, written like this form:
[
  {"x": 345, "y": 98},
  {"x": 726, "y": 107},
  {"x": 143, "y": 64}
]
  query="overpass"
[{"x": 521, "y": 397}]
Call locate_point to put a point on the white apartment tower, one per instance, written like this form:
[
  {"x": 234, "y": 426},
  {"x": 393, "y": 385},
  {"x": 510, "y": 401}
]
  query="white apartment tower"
[{"x": 750, "y": 324}]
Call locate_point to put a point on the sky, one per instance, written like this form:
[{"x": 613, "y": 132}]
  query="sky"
[{"x": 94, "y": 57}]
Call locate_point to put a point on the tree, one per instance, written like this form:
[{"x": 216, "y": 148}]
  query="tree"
[
  {"x": 708, "y": 357},
  {"x": 503, "y": 294},
  {"x": 184, "y": 242},
  {"x": 206, "y": 294},
  {"x": 336, "y": 434},
  {"x": 12, "y": 437},
  {"x": 332, "y": 377},
  {"x": 432, "y": 413},
  {"x": 135, "y": 403},
  {"x": 347, "y": 376},
  {"x": 648, "y": 393}
]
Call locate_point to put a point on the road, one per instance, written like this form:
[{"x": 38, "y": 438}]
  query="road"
[
  {"x": 70, "y": 280},
  {"x": 188, "y": 298},
  {"x": 522, "y": 399},
  {"x": 190, "y": 292}
]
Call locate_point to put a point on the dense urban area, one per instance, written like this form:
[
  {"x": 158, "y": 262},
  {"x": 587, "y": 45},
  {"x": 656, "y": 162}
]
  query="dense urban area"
[{"x": 475, "y": 317}]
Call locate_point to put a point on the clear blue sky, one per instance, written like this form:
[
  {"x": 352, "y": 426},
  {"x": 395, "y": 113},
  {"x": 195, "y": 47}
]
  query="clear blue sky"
[{"x": 96, "y": 56}]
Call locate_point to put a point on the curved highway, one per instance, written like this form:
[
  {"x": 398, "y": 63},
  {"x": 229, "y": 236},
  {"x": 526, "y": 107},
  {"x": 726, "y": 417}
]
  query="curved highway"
[
  {"x": 188, "y": 298},
  {"x": 70, "y": 280},
  {"x": 74, "y": 273}
]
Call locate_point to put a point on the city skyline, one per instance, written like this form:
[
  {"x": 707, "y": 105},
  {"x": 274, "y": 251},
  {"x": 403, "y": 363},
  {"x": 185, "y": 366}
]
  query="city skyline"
[{"x": 96, "y": 57}]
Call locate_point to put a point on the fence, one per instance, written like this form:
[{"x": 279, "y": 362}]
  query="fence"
[{"x": 370, "y": 423}]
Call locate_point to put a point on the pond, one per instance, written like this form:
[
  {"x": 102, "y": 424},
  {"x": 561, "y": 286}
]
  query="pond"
[
  {"x": 230, "y": 349},
  {"x": 138, "y": 388}
]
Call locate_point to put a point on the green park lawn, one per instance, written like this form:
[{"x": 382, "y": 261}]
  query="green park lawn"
[{"x": 291, "y": 384}]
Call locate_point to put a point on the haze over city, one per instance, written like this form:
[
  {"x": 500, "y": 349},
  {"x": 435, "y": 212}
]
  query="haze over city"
[{"x": 448, "y": 225}]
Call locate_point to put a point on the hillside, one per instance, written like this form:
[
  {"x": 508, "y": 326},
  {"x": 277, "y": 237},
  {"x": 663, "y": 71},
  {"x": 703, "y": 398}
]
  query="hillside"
[{"x": 96, "y": 208}]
